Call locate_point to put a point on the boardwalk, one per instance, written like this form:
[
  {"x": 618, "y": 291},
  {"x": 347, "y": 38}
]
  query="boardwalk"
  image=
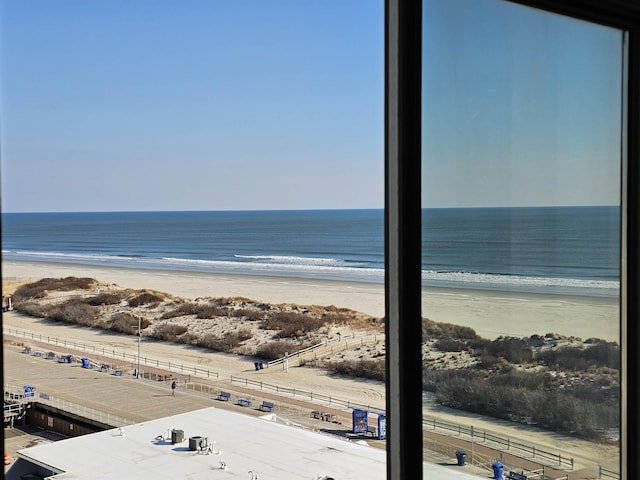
[{"x": 137, "y": 400}]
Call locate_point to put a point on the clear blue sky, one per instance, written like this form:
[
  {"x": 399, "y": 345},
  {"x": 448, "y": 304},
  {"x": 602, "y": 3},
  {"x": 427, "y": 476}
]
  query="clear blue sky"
[
  {"x": 192, "y": 105},
  {"x": 275, "y": 104}
]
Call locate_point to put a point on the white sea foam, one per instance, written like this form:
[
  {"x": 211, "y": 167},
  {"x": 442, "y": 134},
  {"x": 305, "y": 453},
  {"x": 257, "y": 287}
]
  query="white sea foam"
[
  {"x": 516, "y": 282},
  {"x": 285, "y": 259},
  {"x": 332, "y": 269}
]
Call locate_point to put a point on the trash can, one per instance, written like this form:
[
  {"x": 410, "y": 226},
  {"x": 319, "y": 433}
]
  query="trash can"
[
  {"x": 69, "y": 358},
  {"x": 261, "y": 365},
  {"x": 498, "y": 469},
  {"x": 29, "y": 391},
  {"x": 257, "y": 365},
  {"x": 461, "y": 455},
  {"x": 85, "y": 362}
]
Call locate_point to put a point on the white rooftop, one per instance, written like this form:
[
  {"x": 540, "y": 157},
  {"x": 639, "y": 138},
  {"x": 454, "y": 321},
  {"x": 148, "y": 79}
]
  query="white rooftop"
[{"x": 239, "y": 446}]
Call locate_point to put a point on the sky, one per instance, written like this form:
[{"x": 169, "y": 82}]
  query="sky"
[
  {"x": 520, "y": 107},
  {"x": 191, "y": 105},
  {"x": 279, "y": 104}
]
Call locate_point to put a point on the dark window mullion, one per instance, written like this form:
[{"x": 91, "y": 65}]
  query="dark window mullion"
[{"x": 403, "y": 64}]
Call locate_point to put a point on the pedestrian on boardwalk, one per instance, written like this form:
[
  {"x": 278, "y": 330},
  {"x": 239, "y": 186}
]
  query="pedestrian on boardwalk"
[{"x": 173, "y": 387}]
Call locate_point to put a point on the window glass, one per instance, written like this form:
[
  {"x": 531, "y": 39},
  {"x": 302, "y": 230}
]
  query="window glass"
[{"x": 521, "y": 166}]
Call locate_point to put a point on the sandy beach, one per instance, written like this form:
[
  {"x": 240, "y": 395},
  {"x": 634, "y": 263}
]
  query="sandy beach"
[{"x": 490, "y": 314}]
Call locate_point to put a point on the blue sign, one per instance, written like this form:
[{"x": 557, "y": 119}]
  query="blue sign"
[{"x": 360, "y": 421}]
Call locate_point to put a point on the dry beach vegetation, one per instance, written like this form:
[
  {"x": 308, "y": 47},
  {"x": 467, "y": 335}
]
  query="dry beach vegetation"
[
  {"x": 567, "y": 385},
  {"x": 486, "y": 371}
]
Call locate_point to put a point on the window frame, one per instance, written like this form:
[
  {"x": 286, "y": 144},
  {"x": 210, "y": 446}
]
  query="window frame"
[{"x": 403, "y": 65}]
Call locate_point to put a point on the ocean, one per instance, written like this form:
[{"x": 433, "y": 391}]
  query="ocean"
[{"x": 552, "y": 250}]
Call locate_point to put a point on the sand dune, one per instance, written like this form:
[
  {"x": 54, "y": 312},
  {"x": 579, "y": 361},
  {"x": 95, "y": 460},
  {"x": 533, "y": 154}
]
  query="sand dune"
[{"x": 491, "y": 315}]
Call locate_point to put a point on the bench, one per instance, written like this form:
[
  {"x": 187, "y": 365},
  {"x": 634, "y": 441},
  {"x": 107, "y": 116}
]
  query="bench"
[
  {"x": 243, "y": 402},
  {"x": 267, "y": 407},
  {"x": 516, "y": 476},
  {"x": 224, "y": 396}
]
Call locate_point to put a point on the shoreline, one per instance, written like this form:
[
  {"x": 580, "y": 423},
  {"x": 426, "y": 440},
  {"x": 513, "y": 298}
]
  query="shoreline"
[{"x": 490, "y": 313}]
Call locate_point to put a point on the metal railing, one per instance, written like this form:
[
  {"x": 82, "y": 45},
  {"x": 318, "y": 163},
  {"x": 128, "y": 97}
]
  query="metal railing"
[
  {"x": 341, "y": 345},
  {"x": 603, "y": 472},
  {"x": 524, "y": 450},
  {"x": 14, "y": 408},
  {"x": 13, "y": 391},
  {"x": 304, "y": 395},
  {"x": 114, "y": 354}
]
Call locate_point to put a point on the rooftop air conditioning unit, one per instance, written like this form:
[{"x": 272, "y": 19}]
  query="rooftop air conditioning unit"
[{"x": 177, "y": 436}]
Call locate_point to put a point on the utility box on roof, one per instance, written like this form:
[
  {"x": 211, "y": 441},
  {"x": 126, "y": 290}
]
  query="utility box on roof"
[{"x": 177, "y": 436}]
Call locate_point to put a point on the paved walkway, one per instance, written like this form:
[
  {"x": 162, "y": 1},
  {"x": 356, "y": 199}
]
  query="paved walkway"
[{"x": 138, "y": 400}]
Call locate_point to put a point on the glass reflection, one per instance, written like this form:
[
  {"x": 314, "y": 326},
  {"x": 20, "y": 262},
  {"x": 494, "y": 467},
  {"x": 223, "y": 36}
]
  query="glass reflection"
[{"x": 521, "y": 237}]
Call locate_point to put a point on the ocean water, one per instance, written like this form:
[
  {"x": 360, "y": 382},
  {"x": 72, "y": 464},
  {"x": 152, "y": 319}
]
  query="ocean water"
[{"x": 563, "y": 250}]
